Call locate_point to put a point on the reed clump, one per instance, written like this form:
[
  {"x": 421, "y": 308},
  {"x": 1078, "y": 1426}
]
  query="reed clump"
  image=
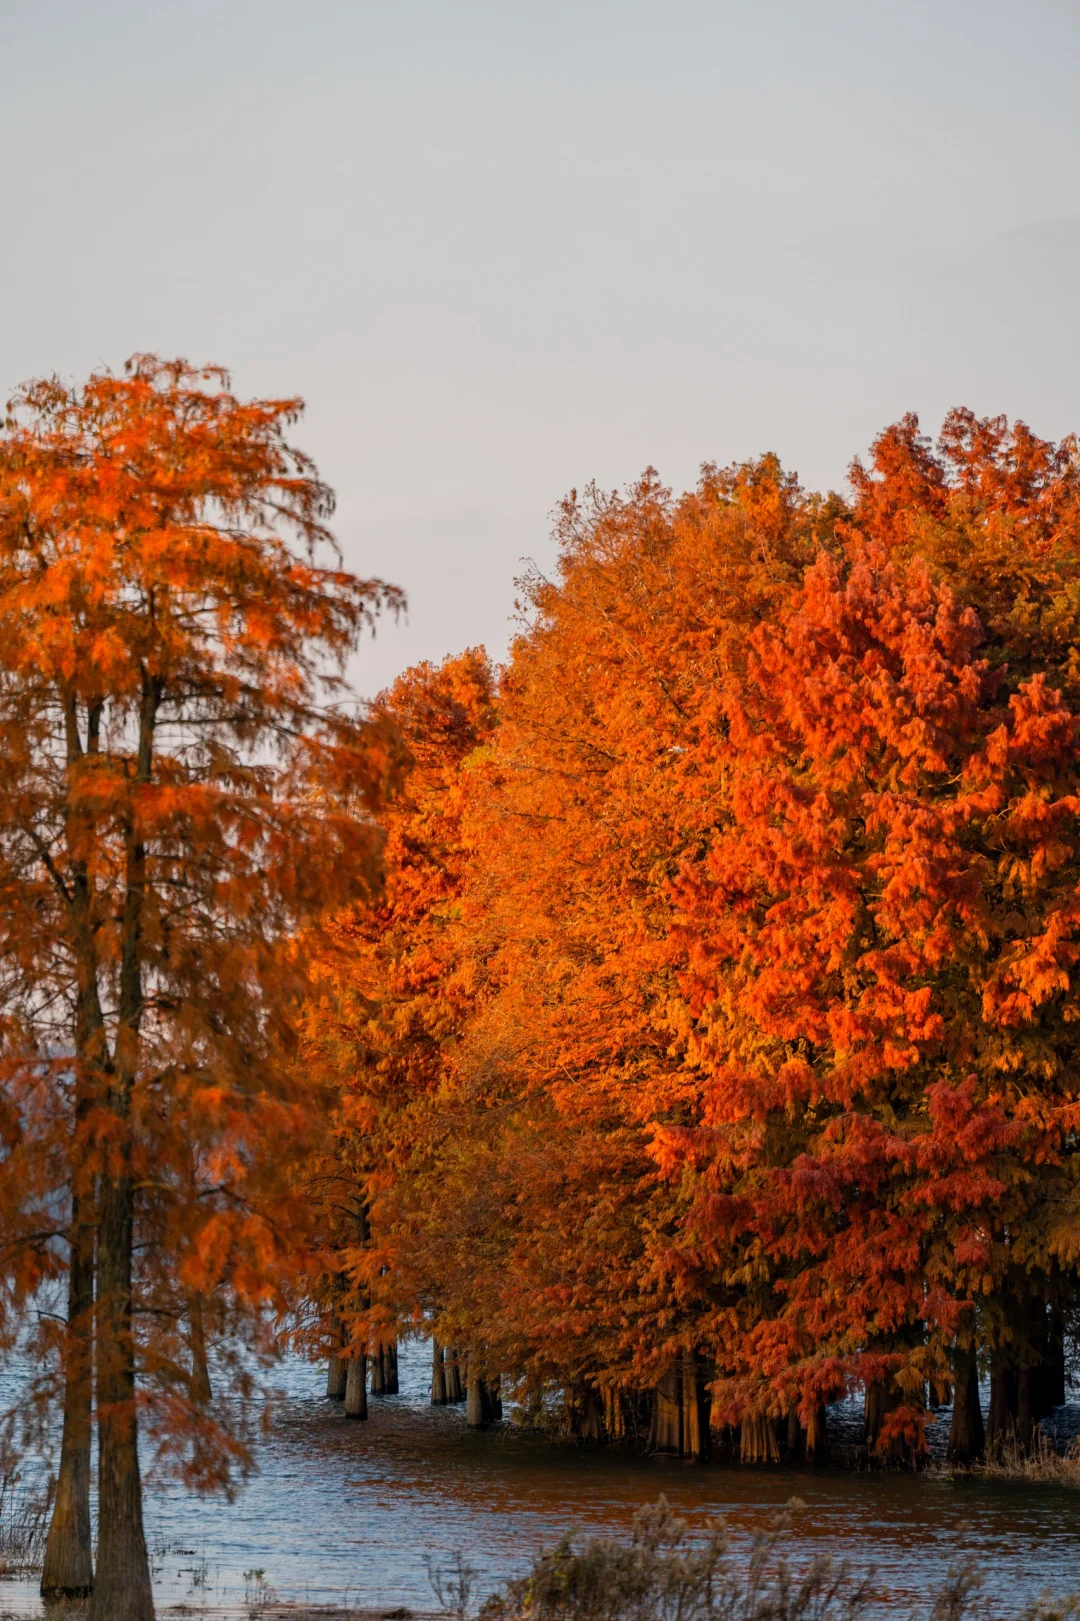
[
  {"x": 664, "y": 1573},
  {"x": 1041, "y": 1461}
]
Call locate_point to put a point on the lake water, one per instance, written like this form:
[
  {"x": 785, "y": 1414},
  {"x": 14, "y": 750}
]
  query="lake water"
[{"x": 349, "y": 1513}]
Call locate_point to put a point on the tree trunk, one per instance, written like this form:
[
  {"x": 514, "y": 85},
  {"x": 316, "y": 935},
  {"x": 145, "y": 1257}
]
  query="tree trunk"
[
  {"x": 666, "y": 1426},
  {"x": 122, "y": 1588},
  {"x": 881, "y": 1400},
  {"x": 378, "y": 1372},
  {"x": 455, "y": 1389},
  {"x": 1025, "y": 1422},
  {"x": 68, "y": 1568},
  {"x": 201, "y": 1389},
  {"x": 817, "y": 1435},
  {"x": 586, "y": 1414},
  {"x": 757, "y": 1440},
  {"x": 614, "y": 1416},
  {"x": 966, "y": 1435},
  {"x": 391, "y": 1380},
  {"x": 336, "y": 1369},
  {"x": 438, "y": 1375},
  {"x": 795, "y": 1449},
  {"x": 356, "y": 1387},
  {"x": 694, "y": 1430},
  {"x": 483, "y": 1403},
  {"x": 1004, "y": 1391}
]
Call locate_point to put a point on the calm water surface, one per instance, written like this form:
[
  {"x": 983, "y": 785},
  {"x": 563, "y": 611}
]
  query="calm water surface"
[{"x": 349, "y": 1513}]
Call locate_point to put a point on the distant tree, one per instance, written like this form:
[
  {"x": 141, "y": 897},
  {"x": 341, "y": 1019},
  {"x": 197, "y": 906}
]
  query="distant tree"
[{"x": 180, "y": 790}]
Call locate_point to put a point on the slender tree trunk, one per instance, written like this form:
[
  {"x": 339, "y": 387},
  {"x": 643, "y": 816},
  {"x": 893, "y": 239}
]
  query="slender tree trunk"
[
  {"x": 438, "y": 1375},
  {"x": 390, "y": 1377},
  {"x": 356, "y": 1388},
  {"x": 817, "y": 1435},
  {"x": 614, "y": 1416},
  {"x": 378, "y": 1372},
  {"x": 455, "y": 1388},
  {"x": 694, "y": 1431},
  {"x": 1004, "y": 1391},
  {"x": 966, "y": 1435},
  {"x": 1025, "y": 1422},
  {"x": 586, "y": 1414},
  {"x": 122, "y": 1589},
  {"x": 201, "y": 1388},
  {"x": 666, "y": 1423},
  {"x": 336, "y": 1371},
  {"x": 68, "y": 1565},
  {"x": 68, "y": 1568},
  {"x": 795, "y": 1448}
]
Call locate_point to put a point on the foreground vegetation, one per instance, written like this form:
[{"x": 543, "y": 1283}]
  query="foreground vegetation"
[{"x": 662, "y": 1573}]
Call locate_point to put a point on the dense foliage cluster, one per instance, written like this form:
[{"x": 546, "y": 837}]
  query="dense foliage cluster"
[{"x": 710, "y": 1053}]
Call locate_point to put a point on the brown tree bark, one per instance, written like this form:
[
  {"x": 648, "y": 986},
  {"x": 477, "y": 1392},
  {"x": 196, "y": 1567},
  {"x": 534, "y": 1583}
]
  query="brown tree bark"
[
  {"x": 455, "y": 1385},
  {"x": 817, "y": 1436},
  {"x": 390, "y": 1369},
  {"x": 336, "y": 1371},
  {"x": 757, "y": 1440},
  {"x": 378, "y": 1372},
  {"x": 122, "y": 1586},
  {"x": 438, "y": 1375},
  {"x": 614, "y": 1414},
  {"x": 967, "y": 1437},
  {"x": 1004, "y": 1393},
  {"x": 694, "y": 1427},
  {"x": 201, "y": 1388},
  {"x": 881, "y": 1400},
  {"x": 68, "y": 1570},
  {"x": 666, "y": 1431},
  {"x": 483, "y": 1403},
  {"x": 356, "y": 1387}
]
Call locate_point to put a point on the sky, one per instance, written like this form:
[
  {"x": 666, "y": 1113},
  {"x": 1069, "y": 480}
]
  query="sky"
[{"x": 505, "y": 248}]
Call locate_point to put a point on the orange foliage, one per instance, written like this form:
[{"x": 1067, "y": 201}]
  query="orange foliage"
[
  {"x": 743, "y": 1042},
  {"x": 177, "y": 798}
]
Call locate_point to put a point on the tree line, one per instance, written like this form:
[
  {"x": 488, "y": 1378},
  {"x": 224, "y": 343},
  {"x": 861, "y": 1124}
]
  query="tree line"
[
  {"x": 673, "y": 1024},
  {"x": 709, "y": 1054}
]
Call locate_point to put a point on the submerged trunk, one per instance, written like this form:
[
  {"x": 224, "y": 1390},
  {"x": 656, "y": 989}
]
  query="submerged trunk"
[
  {"x": 378, "y": 1372},
  {"x": 356, "y": 1387},
  {"x": 757, "y": 1440},
  {"x": 666, "y": 1433},
  {"x": 1025, "y": 1419},
  {"x": 585, "y": 1412},
  {"x": 614, "y": 1414},
  {"x": 694, "y": 1428},
  {"x": 1004, "y": 1390},
  {"x": 438, "y": 1375},
  {"x": 201, "y": 1389},
  {"x": 455, "y": 1385},
  {"x": 337, "y": 1371},
  {"x": 122, "y": 1588},
  {"x": 389, "y": 1369},
  {"x": 966, "y": 1435},
  {"x": 817, "y": 1435},
  {"x": 483, "y": 1403},
  {"x": 68, "y": 1568}
]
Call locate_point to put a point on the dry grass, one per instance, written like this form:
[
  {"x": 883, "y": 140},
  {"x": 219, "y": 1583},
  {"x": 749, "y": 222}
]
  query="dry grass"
[{"x": 1043, "y": 1462}]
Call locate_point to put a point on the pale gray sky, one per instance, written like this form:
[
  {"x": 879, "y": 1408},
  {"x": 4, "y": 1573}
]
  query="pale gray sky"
[{"x": 505, "y": 247}]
